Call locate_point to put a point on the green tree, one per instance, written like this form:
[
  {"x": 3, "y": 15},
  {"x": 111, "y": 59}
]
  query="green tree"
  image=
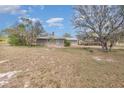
[
  {"x": 14, "y": 40},
  {"x": 67, "y": 43},
  {"x": 26, "y": 32}
]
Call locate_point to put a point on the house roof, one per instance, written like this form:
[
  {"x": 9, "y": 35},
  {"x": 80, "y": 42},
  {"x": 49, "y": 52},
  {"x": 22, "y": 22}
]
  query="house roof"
[
  {"x": 57, "y": 38},
  {"x": 71, "y": 38},
  {"x": 50, "y": 37}
]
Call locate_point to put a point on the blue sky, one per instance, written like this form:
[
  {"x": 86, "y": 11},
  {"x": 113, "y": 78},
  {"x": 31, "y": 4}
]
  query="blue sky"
[{"x": 54, "y": 18}]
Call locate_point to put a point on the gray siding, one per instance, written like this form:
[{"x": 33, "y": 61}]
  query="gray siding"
[{"x": 42, "y": 42}]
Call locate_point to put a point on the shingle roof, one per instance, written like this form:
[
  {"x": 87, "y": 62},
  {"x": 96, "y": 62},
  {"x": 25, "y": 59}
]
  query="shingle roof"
[{"x": 56, "y": 38}]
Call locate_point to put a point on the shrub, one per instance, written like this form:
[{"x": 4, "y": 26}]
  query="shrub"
[
  {"x": 91, "y": 51},
  {"x": 1, "y": 40},
  {"x": 67, "y": 43},
  {"x": 14, "y": 40}
]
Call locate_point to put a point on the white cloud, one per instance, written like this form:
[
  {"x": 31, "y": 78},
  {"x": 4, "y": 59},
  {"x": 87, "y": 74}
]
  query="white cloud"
[
  {"x": 12, "y": 9},
  {"x": 55, "y": 25},
  {"x": 55, "y": 22},
  {"x": 34, "y": 20}
]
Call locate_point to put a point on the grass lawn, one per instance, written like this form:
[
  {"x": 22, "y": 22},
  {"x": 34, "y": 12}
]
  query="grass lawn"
[{"x": 61, "y": 67}]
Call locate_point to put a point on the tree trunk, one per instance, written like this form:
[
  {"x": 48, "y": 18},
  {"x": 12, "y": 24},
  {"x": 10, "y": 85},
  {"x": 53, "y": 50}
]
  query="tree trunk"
[
  {"x": 104, "y": 46},
  {"x": 111, "y": 45}
]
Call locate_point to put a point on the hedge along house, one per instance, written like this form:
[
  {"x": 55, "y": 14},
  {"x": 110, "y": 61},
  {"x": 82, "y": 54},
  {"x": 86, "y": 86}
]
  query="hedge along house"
[{"x": 55, "y": 41}]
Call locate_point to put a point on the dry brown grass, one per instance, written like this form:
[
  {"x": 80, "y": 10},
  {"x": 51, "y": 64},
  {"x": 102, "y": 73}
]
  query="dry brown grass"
[{"x": 69, "y": 67}]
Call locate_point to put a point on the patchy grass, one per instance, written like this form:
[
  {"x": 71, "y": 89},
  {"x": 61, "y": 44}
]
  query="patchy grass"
[
  {"x": 3, "y": 40},
  {"x": 62, "y": 67}
]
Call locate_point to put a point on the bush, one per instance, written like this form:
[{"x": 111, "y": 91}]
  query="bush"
[
  {"x": 89, "y": 50},
  {"x": 14, "y": 40},
  {"x": 1, "y": 40},
  {"x": 67, "y": 43}
]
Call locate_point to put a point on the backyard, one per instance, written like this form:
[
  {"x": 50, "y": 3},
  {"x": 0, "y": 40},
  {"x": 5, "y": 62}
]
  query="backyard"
[{"x": 60, "y": 67}]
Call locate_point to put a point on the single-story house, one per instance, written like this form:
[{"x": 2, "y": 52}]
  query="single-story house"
[{"x": 55, "y": 41}]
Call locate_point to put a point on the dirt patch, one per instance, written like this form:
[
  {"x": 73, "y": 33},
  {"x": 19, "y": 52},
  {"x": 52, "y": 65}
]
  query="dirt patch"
[
  {"x": 3, "y": 61},
  {"x": 57, "y": 67},
  {"x": 27, "y": 84},
  {"x": 5, "y": 77},
  {"x": 97, "y": 58}
]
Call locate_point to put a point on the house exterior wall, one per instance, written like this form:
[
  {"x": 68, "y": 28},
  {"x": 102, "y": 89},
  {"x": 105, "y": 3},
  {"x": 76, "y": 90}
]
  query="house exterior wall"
[
  {"x": 59, "y": 42},
  {"x": 42, "y": 42},
  {"x": 49, "y": 42},
  {"x": 73, "y": 42},
  {"x": 54, "y": 42}
]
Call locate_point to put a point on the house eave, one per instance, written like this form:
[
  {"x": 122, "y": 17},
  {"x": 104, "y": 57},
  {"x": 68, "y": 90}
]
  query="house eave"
[{"x": 74, "y": 39}]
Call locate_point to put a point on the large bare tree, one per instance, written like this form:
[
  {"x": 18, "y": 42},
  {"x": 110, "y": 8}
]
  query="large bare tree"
[
  {"x": 106, "y": 22},
  {"x": 33, "y": 29}
]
